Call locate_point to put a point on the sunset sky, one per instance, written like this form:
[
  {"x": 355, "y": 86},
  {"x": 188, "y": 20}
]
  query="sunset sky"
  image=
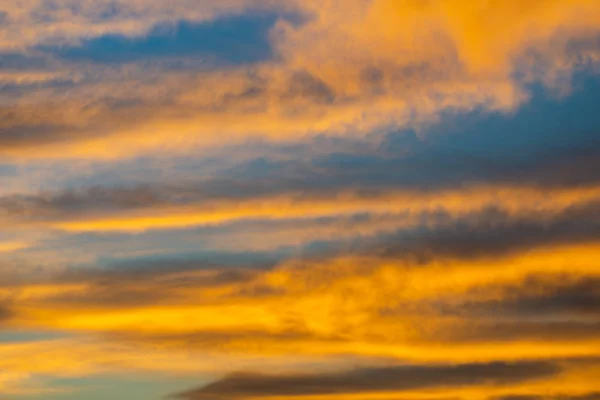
[{"x": 300, "y": 199}]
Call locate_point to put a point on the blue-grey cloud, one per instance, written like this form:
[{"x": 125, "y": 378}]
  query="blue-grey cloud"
[
  {"x": 387, "y": 379},
  {"x": 549, "y": 143},
  {"x": 558, "y": 396}
]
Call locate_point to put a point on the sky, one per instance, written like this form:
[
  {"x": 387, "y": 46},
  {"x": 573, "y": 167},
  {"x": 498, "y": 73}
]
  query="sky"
[{"x": 299, "y": 199}]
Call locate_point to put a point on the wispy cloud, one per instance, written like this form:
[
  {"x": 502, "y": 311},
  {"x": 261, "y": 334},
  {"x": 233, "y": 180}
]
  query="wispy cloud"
[
  {"x": 370, "y": 380},
  {"x": 380, "y": 199}
]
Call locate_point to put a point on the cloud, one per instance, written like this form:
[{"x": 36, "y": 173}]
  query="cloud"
[
  {"x": 5, "y": 314},
  {"x": 571, "y": 299},
  {"x": 548, "y": 145},
  {"x": 490, "y": 232},
  {"x": 342, "y": 198},
  {"x": 587, "y": 396},
  {"x": 67, "y": 359},
  {"x": 140, "y": 209},
  {"x": 390, "y": 379},
  {"x": 430, "y": 234},
  {"x": 35, "y": 22},
  {"x": 9, "y": 247},
  {"x": 438, "y": 312},
  {"x": 325, "y": 78},
  {"x": 540, "y": 308},
  {"x": 441, "y": 310}
]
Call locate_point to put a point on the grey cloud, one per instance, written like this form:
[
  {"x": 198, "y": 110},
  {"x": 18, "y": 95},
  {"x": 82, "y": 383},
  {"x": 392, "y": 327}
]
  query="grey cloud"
[
  {"x": 547, "y": 145},
  {"x": 144, "y": 282},
  {"x": 474, "y": 330},
  {"x": 587, "y": 396},
  {"x": 537, "y": 298},
  {"x": 552, "y": 307},
  {"x": 401, "y": 378},
  {"x": 304, "y": 85},
  {"x": 5, "y": 313},
  {"x": 75, "y": 201},
  {"x": 489, "y": 232}
]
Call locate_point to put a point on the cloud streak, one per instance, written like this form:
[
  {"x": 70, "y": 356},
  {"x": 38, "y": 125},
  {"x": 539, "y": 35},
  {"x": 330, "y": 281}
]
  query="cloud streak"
[
  {"x": 391, "y": 379},
  {"x": 305, "y": 92},
  {"x": 358, "y": 199}
]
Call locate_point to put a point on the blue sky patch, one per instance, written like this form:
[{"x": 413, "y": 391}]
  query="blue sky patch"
[{"x": 230, "y": 40}]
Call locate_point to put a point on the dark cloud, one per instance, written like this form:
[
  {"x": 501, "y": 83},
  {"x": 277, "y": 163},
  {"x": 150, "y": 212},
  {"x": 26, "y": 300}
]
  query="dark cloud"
[
  {"x": 549, "y": 307},
  {"x": 5, "y": 314},
  {"x": 547, "y": 144},
  {"x": 263, "y": 178},
  {"x": 141, "y": 279},
  {"x": 211, "y": 339},
  {"x": 151, "y": 281},
  {"x": 490, "y": 232},
  {"x": 543, "y": 307},
  {"x": 13, "y": 136},
  {"x": 49, "y": 123},
  {"x": 401, "y": 378},
  {"x": 76, "y": 201},
  {"x": 537, "y": 297},
  {"x": 474, "y": 330},
  {"x": 587, "y": 396},
  {"x": 21, "y": 125},
  {"x": 14, "y": 61},
  {"x": 304, "y": 85}
]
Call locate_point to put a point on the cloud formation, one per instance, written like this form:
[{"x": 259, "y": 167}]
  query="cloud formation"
[
  {"x": 391, "y": 379},
  {"x": 426, "y": 62},
  {"x": 358, "y": 199}
]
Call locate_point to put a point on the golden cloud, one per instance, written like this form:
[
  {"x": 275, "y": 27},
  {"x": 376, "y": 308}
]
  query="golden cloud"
[{"x": 353, "y": 67}]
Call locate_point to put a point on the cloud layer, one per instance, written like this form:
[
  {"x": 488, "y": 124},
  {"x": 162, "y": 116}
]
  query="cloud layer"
[{"x": 256, "y": 199}]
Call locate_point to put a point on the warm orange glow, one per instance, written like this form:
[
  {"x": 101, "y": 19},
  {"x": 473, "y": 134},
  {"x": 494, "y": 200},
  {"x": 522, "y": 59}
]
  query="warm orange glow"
[
  {"x": 300, "y": 199},
  {"x": 515, "y": 200}
]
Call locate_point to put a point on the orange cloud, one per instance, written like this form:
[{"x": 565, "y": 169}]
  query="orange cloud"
[
  {"x": 32, "y": 22},
  {"x": 9, "y": 247},
  {"x": 515, "y": 200},
  {"x": 360, "y": 306},
  {"x": 304, "y": 313},
  {"x": 353, "y": 68}
]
